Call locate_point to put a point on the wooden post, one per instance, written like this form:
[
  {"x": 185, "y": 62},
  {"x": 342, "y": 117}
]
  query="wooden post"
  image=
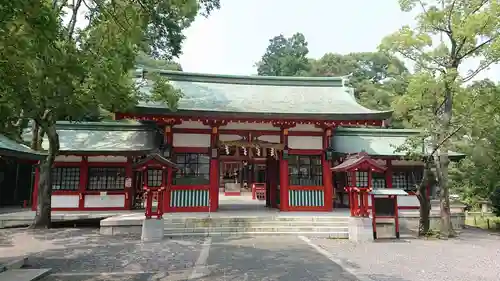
[
  {"x": 168, "y": 190},
  {"x": 84, "y": 170},
  {"x": 352, "y": 198},
  {"x": 396, "y": 216},
  {"x": 128, "y": 179},
  {"x": 327, "y": 173},
  {"x": 388, "y": 173},
  {"x": 284, "y": 173},
  {"x": 214, "y": 171},
  {"x": 374, "y": 218}
]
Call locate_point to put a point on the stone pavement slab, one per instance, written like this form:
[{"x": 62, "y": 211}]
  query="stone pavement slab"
[{"x": 268, "y": 258}]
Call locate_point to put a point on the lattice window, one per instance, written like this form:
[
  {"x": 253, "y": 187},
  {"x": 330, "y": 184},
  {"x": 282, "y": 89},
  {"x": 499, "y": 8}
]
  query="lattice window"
[
  {"x": 305, "y": 170},
  {"x": 155, "y": 177},
  {"x": 106, "y": 178},
  {"x": 378, "y": 180},
  {"x": 361, "y": 179},
  {"x": 66, "y": 178},
  {"x": 194, "y": 169},
  {"x": 399, "y": 180},
  {"x": 407, "y": 180}
]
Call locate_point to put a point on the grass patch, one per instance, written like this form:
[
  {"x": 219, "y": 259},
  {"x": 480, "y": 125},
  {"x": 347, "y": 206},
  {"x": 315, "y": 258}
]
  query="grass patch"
[{"x": 487, "y": 222}]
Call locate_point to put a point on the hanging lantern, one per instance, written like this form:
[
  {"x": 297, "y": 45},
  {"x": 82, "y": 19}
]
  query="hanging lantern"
[
  {"x": 245, "y": 152},
  {"x": 272, "y": 151},
  {"x": 226, "y": 148},
  {"x": 257, "y": 148}
]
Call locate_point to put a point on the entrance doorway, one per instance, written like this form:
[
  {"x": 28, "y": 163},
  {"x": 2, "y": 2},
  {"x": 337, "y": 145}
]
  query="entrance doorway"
[{"x": 247, "y": 184}]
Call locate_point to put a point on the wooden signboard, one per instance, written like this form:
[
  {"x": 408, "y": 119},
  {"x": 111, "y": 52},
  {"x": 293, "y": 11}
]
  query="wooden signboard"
[{"x": 385, "y": 206}]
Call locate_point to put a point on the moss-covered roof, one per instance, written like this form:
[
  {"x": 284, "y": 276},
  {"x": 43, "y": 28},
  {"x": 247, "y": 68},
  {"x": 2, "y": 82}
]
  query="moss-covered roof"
[
  {"x": 11, "y": 148},
  {"x": 320, "y": 97},
  {"x": 119, "y": 138},
  {"x": 376, "y": 142}
]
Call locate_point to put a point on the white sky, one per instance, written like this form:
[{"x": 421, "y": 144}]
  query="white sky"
[{"x": 235, "y": 37}]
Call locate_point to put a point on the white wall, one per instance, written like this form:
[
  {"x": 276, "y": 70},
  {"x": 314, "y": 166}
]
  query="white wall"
[
  {"x": 70, "y": 158},
  {"x": 109, "y": 201},
  {"x": 305, "y": 128},
  {"x": 224, "y": 137},
  {"x": 192, "y": 125},
  {"x": 191, "y": 140},
  {"x": 250, "y": 126},
  {"x": 270, "y": 138},
  {"x": 109, "y": 159},
  {"x": 65, "y": 201},
  {"x": 296, "y": 142}
]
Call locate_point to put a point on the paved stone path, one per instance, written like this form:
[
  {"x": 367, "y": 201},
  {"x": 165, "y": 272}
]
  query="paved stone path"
[{"x": 83, "y": 255}]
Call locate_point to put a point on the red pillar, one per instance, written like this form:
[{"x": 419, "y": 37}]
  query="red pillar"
[
  {"x": 271, "y": 171},
  {"x": 128, "y": 184},
  {"x": 214, "y": 171},
  {"x": 168, "y": 190},
  {"x": 388, "y": 173},
  {"x": 327, "y": 173},
  {"x": 284, "y": 173},
  {"x": 35, "y": 188},
  {"x": 84, "y": 170}
]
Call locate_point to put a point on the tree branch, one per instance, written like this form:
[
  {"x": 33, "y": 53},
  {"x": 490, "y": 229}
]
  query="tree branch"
[
  {"x": 479, "y": 69},
  {"x": 477, "y": 47},
  {"x": 446, "y": 138},
  {"x": 72, "y": 22}
]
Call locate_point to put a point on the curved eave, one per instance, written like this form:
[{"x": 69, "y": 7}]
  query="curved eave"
[
  {"x": 106, "y": 152},
  {"x": 22, "y": 155},
  {"x": 375, "y": 115}
]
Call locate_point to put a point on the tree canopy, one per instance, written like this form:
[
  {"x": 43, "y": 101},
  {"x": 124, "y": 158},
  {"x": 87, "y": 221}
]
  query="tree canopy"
[{"x": 54, "y": 68}]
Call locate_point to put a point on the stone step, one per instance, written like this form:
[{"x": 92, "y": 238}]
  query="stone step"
[
  {"x": 24, "y": 274},
  {"x": 216, "y": 223},
  {"x": 16, "y": 263},
  {"x": 333, "y": 235},
  {"x": 257, "y": 219},
  {"x": 267, "y": 229}
]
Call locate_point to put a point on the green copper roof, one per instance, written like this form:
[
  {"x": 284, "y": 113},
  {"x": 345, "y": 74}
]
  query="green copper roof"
[
  {"x": 326, "y": 97},
  {"x": 103, "y": 138},
  {"x": 379, "y": 142},
  {"x": 11, "y": 148}
]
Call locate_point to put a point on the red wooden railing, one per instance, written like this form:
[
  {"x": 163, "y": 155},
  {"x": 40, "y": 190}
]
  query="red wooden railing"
[{"x": 259, "y": 191}]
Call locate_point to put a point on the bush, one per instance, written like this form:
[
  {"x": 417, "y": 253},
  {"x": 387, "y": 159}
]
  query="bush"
[{"x": 495, "y": 201}]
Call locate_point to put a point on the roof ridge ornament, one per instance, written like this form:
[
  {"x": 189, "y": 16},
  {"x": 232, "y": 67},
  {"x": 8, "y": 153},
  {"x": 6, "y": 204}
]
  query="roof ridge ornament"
[{"x": 345, "y": 79}]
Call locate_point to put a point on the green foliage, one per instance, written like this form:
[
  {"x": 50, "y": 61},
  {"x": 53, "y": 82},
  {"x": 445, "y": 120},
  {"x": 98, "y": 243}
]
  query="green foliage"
[
  {"x": 377, "y": 78},
  {"x": 436, "y": 96},
  {"x": 495, "y": 201},
  {"x": 145, "y": 61},
  {"x": 285, "y": 57},
  {"x": 51, "y": 71}
]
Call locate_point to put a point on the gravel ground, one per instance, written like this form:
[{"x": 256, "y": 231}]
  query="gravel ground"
[
  {"x": 85, "y": 252},
  {"x": 474, "y": 256},
  {"x": 84, "y": 255}
]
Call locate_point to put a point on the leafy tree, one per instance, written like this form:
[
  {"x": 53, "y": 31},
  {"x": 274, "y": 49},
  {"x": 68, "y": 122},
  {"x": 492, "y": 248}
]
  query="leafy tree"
[
  {"x": 377, "y": 78},
  {"x": 285, "y": 57},
  {"x": 469, "y": 29},
  {"x": 51, "y": 70},
  {"x": 143, "y": 60},
  {"x": 476, "y": 178}
]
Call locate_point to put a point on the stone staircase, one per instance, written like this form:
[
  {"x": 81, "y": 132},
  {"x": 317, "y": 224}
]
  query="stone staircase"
[
  {"x": 13, "y": 270},
  {"x": 320, "y": 226}
]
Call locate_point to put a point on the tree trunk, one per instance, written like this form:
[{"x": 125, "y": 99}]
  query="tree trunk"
[
  {"x": 43, "y": 208},
  {"x": 441, "y": 159},
  {"x": 35, "y": 130},
  {"x": 446, "y": 228},
  {"x": 423, "y": 199}
]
